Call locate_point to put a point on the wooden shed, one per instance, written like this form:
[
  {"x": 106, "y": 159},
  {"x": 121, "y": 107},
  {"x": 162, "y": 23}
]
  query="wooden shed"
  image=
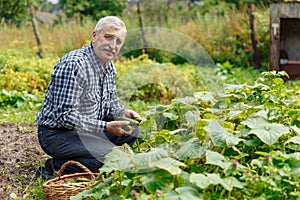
[{"x": 285, "y": 38}]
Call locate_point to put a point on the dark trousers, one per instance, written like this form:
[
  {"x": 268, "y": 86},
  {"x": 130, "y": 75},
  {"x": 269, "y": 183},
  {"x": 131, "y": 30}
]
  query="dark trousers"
[{"x": 87, "y": 148}]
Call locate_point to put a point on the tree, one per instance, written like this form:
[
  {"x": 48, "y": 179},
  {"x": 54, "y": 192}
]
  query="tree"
[
  {"x": 36, "y": 31},
  {"x": 94, "y": 9},
  {"x": 14, "y": 11}
]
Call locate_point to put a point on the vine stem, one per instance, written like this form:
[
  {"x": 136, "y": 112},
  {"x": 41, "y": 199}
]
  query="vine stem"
[
  {"x": 229, "y": 194},
  {"x": 222, "y": 193},
  {"x": 120, "y": 180}
]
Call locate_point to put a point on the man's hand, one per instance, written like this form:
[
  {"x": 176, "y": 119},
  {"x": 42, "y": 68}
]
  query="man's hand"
[
  {"x": 131, "y": 114},
  {"x": 117, "y": 128}
]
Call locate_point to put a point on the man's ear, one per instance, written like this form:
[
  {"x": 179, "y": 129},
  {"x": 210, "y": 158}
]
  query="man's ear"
[{"x": 94, "y": 34}]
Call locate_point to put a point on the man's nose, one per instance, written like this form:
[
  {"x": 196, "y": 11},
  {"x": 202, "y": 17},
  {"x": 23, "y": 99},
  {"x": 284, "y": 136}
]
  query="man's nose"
[{"x": 112, "y": 44}]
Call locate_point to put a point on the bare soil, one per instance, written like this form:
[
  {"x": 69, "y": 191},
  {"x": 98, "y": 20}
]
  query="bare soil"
[{"x": 20, "y": 155}]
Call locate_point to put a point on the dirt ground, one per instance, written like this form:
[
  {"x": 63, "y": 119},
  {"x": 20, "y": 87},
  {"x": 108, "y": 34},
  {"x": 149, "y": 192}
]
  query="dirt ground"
[{"x": 20, "y": 154}]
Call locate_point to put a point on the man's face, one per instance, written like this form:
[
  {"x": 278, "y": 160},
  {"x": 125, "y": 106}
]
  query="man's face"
[{"x": 108, "y": 42}]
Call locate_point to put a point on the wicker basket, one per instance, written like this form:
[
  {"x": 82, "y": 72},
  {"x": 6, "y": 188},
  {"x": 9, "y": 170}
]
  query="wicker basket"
[{"x": 59, "y": 189}]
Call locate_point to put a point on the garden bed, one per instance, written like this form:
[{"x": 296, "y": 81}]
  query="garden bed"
[{"x": 20, "y": 154}]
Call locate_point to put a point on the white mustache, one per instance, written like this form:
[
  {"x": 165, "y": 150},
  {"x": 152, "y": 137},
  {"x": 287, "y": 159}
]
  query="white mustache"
[{"x": 110, "y": 50}]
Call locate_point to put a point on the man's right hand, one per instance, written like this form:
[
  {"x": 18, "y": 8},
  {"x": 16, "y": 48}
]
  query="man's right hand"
[{"x": 117, "y": 128}]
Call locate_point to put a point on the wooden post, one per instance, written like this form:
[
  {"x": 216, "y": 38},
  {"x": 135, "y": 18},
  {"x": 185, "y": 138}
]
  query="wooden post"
[
  {"x": 256, "y": 57},
  {"x": 274, "y": 51},
  {"x": 36, "y": 32},
  {"x": 142, "y": 26}
]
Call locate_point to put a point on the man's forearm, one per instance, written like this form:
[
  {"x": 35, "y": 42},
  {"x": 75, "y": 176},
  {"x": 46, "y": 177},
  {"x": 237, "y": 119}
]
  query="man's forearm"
[{"x": 82, "y": 123}]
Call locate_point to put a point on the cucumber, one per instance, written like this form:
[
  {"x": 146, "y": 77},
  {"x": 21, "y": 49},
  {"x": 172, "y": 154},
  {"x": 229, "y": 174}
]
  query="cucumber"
[
  {"x": 127, "y": 128},
  {"x": 138, "y": 120},
  {"x": 132, "y": 121}
]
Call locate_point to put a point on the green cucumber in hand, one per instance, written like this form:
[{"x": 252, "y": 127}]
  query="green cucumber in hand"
[
  {"x": 139, "y": 120},
  {"x": 127, "y": 128},
  {"x": 132, "y": 121}
]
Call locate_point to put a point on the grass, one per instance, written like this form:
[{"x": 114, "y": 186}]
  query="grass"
[
  {"x": 232, "y": 24},
  {"x": 17, "y": 115},
  {"x": 55, "y": 40},
  {"x": 36, "y": 190}
]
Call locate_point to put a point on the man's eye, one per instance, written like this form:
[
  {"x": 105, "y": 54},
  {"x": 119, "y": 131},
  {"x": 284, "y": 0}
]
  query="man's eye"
[{"x": 108, "y": 36}]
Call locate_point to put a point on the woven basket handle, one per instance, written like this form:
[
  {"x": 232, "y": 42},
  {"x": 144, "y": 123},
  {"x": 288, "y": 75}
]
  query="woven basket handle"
[{"x": 71, "y": 162}]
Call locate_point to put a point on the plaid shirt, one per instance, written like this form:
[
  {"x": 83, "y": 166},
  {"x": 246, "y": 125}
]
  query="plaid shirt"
[{"x": 81, "y": 93}]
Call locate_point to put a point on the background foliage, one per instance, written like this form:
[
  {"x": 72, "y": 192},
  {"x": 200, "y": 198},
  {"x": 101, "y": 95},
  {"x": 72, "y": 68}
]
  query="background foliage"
[
  {"x": 200, "y": 20},
  {"x": 14, "y": 11},
  {"x": 92, "y": 8}
]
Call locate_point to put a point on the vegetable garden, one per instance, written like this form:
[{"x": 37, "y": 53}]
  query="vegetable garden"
[
  {"x": 240, "y": 143},
  {"x": 241, "y": 148}
]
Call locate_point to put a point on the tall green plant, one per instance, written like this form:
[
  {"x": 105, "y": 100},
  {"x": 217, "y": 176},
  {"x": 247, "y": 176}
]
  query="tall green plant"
[
  {"x": 92, "y": 8},
  {"x": 14, "y": 11}
]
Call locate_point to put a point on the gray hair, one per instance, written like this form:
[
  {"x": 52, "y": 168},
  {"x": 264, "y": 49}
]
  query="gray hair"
[{"x": 109, "y": 21}]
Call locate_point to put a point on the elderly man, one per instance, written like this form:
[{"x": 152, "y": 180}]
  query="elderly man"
[{"x": 79, "y": 118}]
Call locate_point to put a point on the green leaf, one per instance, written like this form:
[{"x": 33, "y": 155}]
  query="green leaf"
[
  {"x": 80, "y": 195},
  {"x": 6, "y": 93},
  {"x": 262, "y": 114},
  {"x": 190, "y": 149},
  {"x": 234, "y": 87},
  {"x": 200, "y": 180},
  {"x": 230, "y": 182},
  {"x": 169, "y": 165},
  {"x": 219, "y": 136},
  {"x": 188, "y": 193},
  {"x": 278, "y": 81},
  {"x": 153, "y": 181},
  {"x": 178, "y": 131},
  {"x": 171, "y": 116},
  {"x": 295, "y": 140},
  {"x": 186, "y": 100},
  {"x": 205, "y": 97},
  {"x": 117, "y": 160},
  {"x": 234, "y": 114},
  {"x": 192, "y": 117},
  {"x": 262, "y": 86},
  {"x": 127, "y": 188},
  {"x": 162, "y": 108},
  {"x": 295, "y": 155},
  {"x": 203, "y": 181},
  {"x": 269, "y": 133},
  {"x": 20, "y": 103},
  {"x": 255, "y": 122},
  {"x": 215, "y": 158},
  {"x": 294, "y": 161},
  {"x": 13, "y": 195},
  {"x": 143, "y": 161},
  {"x": 172, "y": 195},
  {"x": 241, "y": 110},
  {"x": 296, "y": 129},
  {"x": 183, "y": 109}
]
